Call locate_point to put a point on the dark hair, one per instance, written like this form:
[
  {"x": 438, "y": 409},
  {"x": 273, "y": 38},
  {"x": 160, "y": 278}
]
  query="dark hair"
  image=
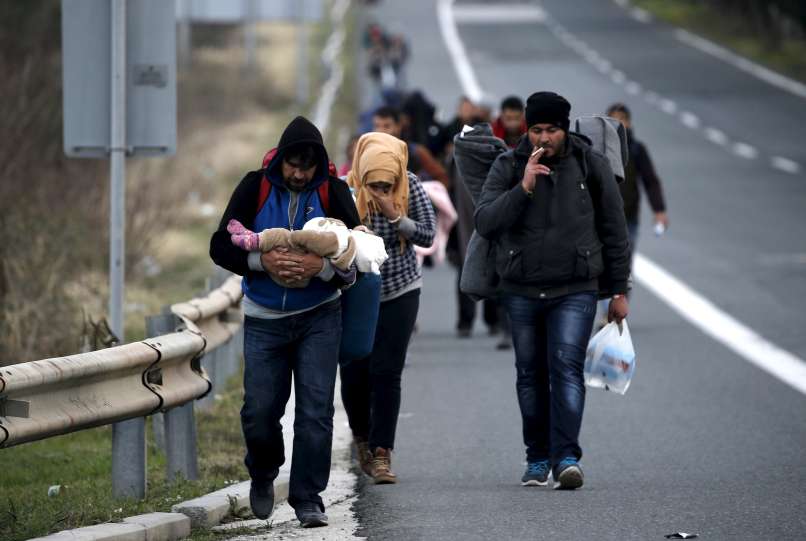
[
  {"x": 512, "y": 102},
  {"x": 303, "y": 155},
  {"x": 619, "y": 108},
  {"x": 386, "y": 111}
]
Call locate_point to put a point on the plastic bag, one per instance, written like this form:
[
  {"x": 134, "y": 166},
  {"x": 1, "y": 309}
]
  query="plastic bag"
[{"x": 610, "y": 359}]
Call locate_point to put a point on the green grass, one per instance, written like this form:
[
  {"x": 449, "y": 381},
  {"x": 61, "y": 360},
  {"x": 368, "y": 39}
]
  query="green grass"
[
  {"x": 734, "y": 32},
  {"x": 81, "y": 463}
]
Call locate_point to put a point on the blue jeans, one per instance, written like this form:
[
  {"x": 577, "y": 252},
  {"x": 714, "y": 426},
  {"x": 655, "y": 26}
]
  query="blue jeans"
[
  {"x": 550, "y": 338},
  {"x": 306, "y": 345}
]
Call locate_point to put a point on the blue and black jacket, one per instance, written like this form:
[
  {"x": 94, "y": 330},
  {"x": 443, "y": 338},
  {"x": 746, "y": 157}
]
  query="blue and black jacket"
[{"x": 276, "y": 212}]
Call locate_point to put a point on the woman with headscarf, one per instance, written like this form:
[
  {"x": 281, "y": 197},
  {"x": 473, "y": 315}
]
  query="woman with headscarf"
[{"x": 392, "y": 203}]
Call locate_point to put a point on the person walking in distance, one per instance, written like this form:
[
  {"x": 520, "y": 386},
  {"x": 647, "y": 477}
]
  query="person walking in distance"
[
  {"x": 288, "y": 330},
  {"x": 553, "y": 208},
  {"x": 391, "y": 203}
]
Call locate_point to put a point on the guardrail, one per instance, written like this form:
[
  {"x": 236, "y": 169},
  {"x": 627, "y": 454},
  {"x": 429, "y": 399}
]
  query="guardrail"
[{"x": 123, "y": 384}]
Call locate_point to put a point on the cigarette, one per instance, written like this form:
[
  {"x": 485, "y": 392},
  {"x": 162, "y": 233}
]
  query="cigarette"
[{"x": 535, "y": 151}]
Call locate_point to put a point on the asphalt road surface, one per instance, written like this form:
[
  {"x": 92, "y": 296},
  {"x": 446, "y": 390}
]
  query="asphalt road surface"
[{"x": 704, "y": 441}]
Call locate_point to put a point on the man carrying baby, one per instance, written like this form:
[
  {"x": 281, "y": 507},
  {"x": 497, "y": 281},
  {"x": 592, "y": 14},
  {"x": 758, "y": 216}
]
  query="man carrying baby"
[{"x": 293, "y": 319}]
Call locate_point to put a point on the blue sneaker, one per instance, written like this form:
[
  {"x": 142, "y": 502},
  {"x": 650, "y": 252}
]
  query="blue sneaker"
[
  {"x": 568, "y": 475},
  {"x": 537, "y": 474}
]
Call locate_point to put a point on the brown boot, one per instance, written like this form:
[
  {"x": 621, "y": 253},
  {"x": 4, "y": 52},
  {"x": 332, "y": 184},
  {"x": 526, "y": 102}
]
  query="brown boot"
[
  {"x": 363, "y": 454},
  {"x": 382, "y": 467}
]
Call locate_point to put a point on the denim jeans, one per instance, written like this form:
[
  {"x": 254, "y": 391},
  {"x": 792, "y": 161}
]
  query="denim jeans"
[
  {"x": 550, "y": 338},
  {"x": 305, "y": 345}
]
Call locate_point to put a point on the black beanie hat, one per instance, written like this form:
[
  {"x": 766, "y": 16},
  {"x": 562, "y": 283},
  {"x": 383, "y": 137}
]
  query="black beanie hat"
[
  {"x": 548, "y": 108},
  {"x": 301, "y": 132}
]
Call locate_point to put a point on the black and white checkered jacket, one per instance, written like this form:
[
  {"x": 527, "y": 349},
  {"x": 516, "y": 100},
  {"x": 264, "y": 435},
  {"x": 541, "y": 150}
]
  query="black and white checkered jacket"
[{"x": 401, "y": 269}]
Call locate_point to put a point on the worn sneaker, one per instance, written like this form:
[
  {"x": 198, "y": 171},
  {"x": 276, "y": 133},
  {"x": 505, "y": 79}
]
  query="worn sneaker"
[
  {"x": 568, "y": 475},
  {"x": 310, "y": 515},
  {"x": 537, "y": 474},
  {"x": 261, "y": 499},
  {"x": 382, "y": 467}
]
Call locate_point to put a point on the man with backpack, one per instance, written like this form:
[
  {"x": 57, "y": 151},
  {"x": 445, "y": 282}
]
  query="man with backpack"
[
  {"x": 288, "y": 330},
  {"x": 553, "y": 209}
]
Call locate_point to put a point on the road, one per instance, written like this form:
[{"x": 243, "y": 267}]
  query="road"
[{"x": 704, "y": 441}]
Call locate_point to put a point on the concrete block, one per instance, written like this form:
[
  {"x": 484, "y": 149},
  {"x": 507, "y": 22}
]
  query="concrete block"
[
  {"x": 113, "y": 531},
  {"x": 162, "y": 526}
]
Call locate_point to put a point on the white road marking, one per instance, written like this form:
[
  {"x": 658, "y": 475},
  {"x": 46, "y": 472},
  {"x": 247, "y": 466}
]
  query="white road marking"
[
  {"x": 743, "y": 150},
  {"x": 760, "y": 72},
  {"x": 690, "y": 120},
  {"x": 641, "y": 15},
  {"x": 651, "y": 97},
  {"x": 721, "y": 326},
  {"x": 467, "y": 77},
  {"x": 716, "y": 136},
  {"x": 604, "y": 66},
  {"x": 690, "y": 305},
  {"x": 618, "y": 77},
  {"x": 498, "y": 13},
  {"x": 330, "y": 54},
  {"x": 785, "y": 164},
  {"x": 632, "y": 88},
  {"x": 668, "y": 106}
]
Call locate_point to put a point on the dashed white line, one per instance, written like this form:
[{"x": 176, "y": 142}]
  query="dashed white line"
[
  {"x": 651, "y": 97},
  {"x": 690, "y": 120},
  {"x": 618, "y": 77},
  {"x": 641, "y": 15},
  {"x": 632, "y": 88},
  {"x": 716, "y": 136},
  {"x": 721, "y": 326},
  {"x": 744, "y": 150},
  {"x": 760, "y": 72},
  {"x": 668, "y": 106},
  {"x": 785, "y": 164},
  {"x": 604, "y": 66}
]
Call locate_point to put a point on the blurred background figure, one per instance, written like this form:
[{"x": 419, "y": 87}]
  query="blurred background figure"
[
  {"x": 349, "y": 150},
  {"x": 421, "y": 161},
  {"x": 511, "y": 122},
  {"x": 639, "y": 171}
]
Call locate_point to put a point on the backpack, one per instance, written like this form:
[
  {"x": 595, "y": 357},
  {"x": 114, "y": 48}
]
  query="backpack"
[
  {"x": 265, "y": 185},
  {"x": 608, "y": 136}
]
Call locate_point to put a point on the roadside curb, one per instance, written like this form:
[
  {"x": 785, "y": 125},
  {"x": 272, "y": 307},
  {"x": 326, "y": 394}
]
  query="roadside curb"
[{"x": 148, "y": 527}]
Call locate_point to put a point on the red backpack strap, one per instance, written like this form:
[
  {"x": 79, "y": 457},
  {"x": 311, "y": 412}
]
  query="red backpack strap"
[
  {"x": 324, "y": 195},
  {"x": 265, "y": 190}
]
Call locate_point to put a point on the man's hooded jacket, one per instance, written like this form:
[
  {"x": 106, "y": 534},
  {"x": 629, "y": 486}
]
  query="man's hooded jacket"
[{"x": 286, "y": 209}]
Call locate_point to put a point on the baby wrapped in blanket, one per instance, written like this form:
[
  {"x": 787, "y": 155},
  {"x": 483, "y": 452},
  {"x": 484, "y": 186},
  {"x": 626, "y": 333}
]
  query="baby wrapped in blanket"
[{"x": 326, "y": 237}]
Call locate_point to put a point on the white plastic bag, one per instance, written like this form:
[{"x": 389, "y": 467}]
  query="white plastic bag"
[{"x": 610, "y": 359}]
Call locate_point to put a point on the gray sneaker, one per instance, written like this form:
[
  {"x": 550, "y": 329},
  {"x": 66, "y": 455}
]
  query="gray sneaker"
[
  {"x": 310, "y": 515},
  {"x": 568, "y": 474},
  {"x": 537, "y": 474}
]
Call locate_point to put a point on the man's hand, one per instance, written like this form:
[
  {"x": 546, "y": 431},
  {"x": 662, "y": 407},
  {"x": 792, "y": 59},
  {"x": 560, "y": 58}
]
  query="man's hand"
[
  {"x": 662, "y": 218},
  {"x": 533, "y": 169},
  {"x": 618, "y": 309},
  {"x": 292, "y": 265}
]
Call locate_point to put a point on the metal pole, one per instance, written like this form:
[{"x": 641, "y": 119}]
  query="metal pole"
[
  {"x": 302, "y": 56},
  {"x": 249, "y": 35},
  {"x": 128, "y": 437},
  {"x": 184, "y": 41}
]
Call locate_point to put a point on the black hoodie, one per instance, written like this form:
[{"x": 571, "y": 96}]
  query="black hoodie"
[{"x": 243, "y": 203}]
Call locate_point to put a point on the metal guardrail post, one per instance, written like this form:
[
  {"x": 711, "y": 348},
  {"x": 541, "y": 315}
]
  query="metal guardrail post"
[
  {"x": 178, "y": 424},
  {"x": 129, "y": 459}
]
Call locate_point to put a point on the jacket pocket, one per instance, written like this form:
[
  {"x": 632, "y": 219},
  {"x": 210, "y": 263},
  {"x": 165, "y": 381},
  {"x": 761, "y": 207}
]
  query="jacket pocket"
[
  {"x": 589, "y": 262},
  {"x": 510, "y": 263}
]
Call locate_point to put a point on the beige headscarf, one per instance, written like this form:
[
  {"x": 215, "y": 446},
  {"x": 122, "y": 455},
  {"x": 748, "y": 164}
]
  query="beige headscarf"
[{"x": 379, "y": 157}]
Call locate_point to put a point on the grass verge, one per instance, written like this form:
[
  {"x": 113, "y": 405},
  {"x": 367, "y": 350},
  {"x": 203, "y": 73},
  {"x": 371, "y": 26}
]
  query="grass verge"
[{"x": 732, "y": 31}]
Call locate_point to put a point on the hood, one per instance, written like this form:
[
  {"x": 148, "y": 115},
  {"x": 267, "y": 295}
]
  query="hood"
[{"x": 299, "y": 132}]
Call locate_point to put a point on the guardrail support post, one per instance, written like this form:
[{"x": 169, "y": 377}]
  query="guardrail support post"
[
  {"x": 178, "y": 424},
  {"x": 129, "y": 459}
]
